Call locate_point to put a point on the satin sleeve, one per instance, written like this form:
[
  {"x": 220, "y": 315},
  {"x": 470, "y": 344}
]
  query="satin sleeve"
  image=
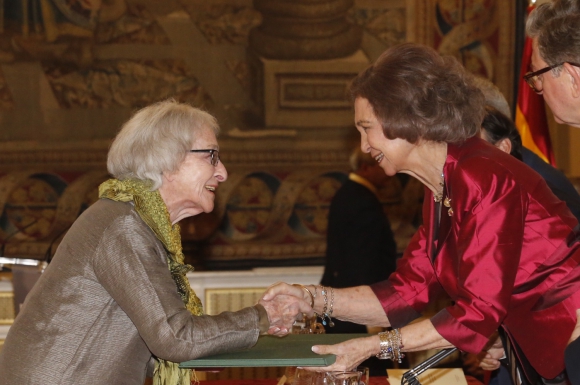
[
  {"x": 481, "y": 260},
  {"x": 412, "y": 286}
]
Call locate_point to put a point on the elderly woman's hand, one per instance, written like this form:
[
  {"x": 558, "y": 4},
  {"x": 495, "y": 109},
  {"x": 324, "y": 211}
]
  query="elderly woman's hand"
[
  {"x": 494, "y": 353},
  {"x": 349, "y": 354},
  {"x": 284, "y": 304}
]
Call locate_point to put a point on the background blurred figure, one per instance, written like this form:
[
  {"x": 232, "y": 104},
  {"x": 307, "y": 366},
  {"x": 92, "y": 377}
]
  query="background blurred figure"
[
  {"x": 361, "y": 248},
  {"x": 501, "y": 131}
]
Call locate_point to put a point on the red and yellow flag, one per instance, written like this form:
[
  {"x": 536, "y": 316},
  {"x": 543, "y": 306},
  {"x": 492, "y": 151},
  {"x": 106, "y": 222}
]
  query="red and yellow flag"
[{"x": 531, "y": 113}]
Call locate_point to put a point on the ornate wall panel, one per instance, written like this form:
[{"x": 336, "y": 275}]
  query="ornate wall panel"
[
  {"x": 479, "y": 33},
  {"x": 71, "y": 72}
]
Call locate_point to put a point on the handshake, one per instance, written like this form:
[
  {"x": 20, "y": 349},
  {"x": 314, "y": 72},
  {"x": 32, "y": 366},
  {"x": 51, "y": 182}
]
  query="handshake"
[{"x": 285, "y": 304}]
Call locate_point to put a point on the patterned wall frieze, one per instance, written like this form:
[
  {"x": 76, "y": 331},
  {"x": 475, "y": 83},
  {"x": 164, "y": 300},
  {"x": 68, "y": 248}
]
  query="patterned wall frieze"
[
  {"x": 267, "y": 215},
  {"x": 265, "y": 251},
  {"x": 85, "y": 156},
  {"x": 60, "y": 159}
]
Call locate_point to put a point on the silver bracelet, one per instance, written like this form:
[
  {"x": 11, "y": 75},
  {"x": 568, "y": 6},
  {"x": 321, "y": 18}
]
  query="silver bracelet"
[{"x": 327, "y": 306}]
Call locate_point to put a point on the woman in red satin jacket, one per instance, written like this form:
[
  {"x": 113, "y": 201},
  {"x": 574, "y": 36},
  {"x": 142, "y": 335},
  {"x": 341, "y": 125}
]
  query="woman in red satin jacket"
[{"x": 494, "y": 238}]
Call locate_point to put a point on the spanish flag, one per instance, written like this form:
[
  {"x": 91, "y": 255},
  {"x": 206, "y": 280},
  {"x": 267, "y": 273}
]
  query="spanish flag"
[{"x": 531, "y": 113}]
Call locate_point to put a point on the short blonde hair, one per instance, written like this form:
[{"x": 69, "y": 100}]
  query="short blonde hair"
[{"x": 156, "y": 140}]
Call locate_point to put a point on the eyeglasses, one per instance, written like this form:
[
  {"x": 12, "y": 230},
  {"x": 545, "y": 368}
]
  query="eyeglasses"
[
  {"x": 533, "y": 78},
  {"x": 214, "y": 154}
]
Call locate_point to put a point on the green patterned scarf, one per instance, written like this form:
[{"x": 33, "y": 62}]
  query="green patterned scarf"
[{"x": 151, "y": 208}]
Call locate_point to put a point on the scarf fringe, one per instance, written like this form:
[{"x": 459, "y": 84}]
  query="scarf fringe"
[{"x": 169, "y": 373}]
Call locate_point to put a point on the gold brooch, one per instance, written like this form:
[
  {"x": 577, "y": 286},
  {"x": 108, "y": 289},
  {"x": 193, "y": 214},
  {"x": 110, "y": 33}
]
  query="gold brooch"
[{"x": 447, "y": 203}]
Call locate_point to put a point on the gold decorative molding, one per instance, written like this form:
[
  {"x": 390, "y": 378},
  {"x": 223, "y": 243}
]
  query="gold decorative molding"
[{"x": 83, "y": 156}]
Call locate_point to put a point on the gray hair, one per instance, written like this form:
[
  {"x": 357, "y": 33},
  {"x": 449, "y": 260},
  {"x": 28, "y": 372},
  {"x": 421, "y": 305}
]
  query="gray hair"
[
  {"x": 358, "y": 158},
  {"x": 156, "y": 140},
  {"x": 493, "y": 96},
  {"x": 556, "y": 26}
]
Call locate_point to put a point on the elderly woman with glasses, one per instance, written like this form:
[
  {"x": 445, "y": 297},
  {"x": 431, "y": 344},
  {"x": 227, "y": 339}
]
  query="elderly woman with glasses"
[
  {"x": 493, "y": 239},
  {"x": 114, "y": 305}
]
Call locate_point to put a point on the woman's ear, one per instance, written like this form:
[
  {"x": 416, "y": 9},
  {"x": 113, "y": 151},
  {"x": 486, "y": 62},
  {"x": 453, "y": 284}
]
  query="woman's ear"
[{"x": 505, "y": 145}]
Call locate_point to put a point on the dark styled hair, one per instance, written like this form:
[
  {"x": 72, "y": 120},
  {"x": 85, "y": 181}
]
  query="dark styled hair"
[
  {"x": 418, "y": 94},
  {"x": 497, "y": 126},
  {"x": 556, "y": 24}
]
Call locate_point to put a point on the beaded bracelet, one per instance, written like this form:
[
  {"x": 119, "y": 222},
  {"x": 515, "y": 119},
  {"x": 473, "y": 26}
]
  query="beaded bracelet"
[
  {"x": 325, "y": 299},
  {"x": 330, "y": 307},
  {"x": 327, "y": 306}
]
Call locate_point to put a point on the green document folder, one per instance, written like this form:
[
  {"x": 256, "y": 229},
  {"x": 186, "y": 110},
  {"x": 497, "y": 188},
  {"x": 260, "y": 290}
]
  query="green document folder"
[{"x": 291, "y": 350}]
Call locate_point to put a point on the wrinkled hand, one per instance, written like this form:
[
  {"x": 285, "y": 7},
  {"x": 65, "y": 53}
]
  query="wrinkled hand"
[
  {"x": 491, "y": 359},
  {"x": 576, "y": 331},
  {"x": 349, "y": 354},
  {"x": 284, "y": 304}
]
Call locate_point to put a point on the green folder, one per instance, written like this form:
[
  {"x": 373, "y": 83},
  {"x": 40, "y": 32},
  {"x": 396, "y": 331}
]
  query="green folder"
[{"x": 291, "y": 350}]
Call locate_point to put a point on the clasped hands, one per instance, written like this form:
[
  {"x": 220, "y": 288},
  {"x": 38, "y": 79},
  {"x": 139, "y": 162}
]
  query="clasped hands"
[{"x": 285, "y": 304}]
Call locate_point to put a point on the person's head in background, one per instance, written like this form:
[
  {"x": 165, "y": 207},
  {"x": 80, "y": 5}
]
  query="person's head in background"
[
  {"x": 554, "y": 27},
  {"x": 364, "y": 165},
  {"x": 501, "y": 131},
  {"x": 497, "y": 127}
]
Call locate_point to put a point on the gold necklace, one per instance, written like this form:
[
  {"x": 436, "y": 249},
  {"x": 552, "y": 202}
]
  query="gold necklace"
[{"x": 438, "y": 196}]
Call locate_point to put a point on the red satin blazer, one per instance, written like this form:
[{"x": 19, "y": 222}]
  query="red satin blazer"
[{"x": 501, "y": 256}]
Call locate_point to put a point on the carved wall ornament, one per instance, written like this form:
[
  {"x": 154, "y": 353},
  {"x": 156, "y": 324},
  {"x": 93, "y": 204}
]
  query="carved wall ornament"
[
  {"x": 223, "y": 23},
  {"x": 305, "y": 30},
  {"x": 126, "y": 83}
]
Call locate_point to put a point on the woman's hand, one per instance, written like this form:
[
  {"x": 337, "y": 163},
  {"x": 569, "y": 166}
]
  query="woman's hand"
[
  {"x": 349, "y": 354},
  {"x": 284, "y": 304},
  {"x": 491, "y": 359}
]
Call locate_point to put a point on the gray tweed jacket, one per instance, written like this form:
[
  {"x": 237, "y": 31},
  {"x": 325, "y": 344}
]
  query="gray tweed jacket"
[{"x": 107, "y": 305}]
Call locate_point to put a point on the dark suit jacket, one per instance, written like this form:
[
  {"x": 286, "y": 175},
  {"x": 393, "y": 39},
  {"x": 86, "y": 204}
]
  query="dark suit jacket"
[
  {"x": 361, "y": 250},
  {"x": 360, "y": 247},
  {"x": 556, "y": 180},
  {"x": 572, "y": 362}
]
